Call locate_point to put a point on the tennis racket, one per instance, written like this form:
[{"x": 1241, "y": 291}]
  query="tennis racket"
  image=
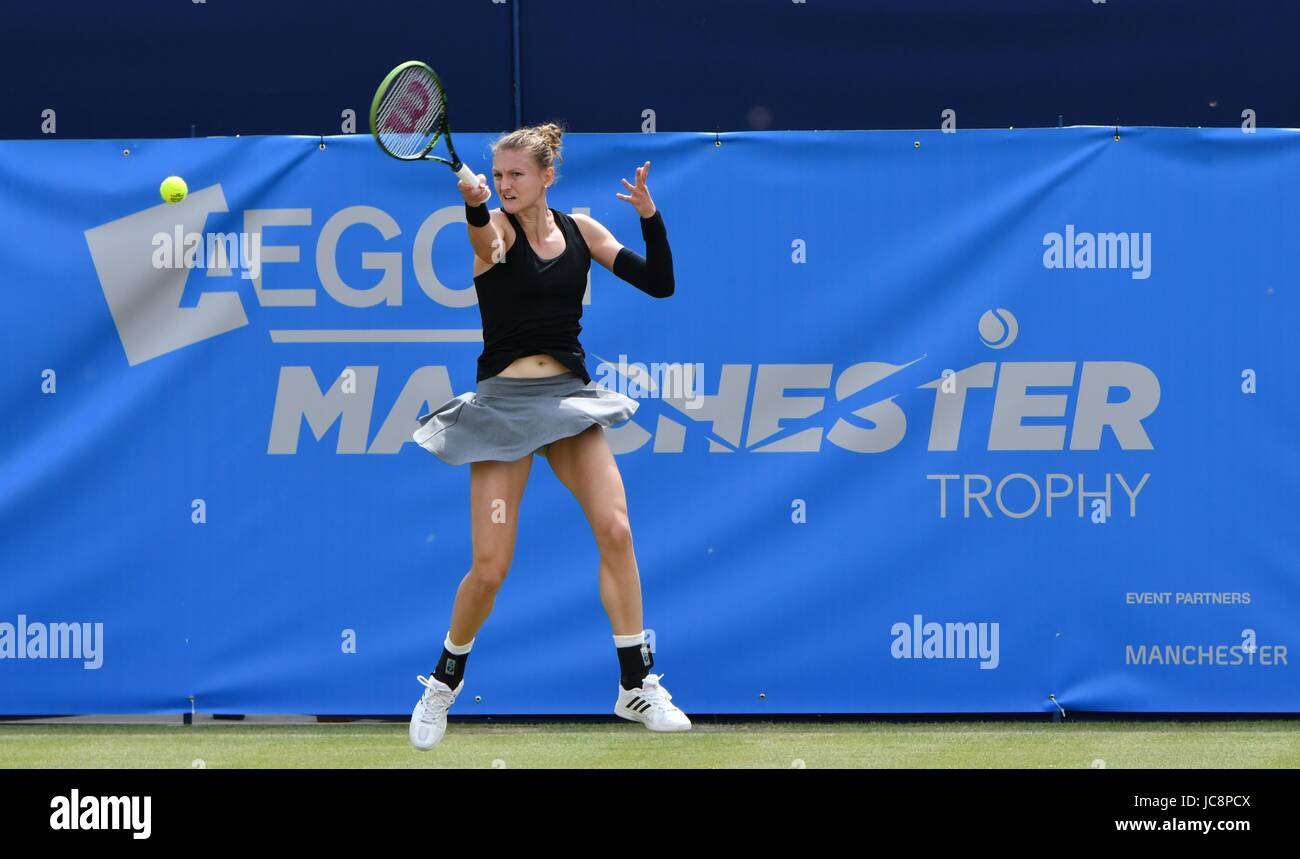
[{"x": 409, "y": 114}]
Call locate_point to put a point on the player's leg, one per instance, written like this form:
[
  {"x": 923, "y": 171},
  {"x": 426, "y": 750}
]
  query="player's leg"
[
  {"x": 585, "y": 465},
  {"x": 496, "y": 489}
]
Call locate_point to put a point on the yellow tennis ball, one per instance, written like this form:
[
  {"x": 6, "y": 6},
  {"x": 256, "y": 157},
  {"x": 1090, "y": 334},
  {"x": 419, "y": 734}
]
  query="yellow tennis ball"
[{"x": 174, "y": 189}]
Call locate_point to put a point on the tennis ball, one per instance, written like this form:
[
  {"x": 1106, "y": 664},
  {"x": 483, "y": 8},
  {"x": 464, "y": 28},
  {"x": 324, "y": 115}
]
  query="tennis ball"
[{"x": 174, "y": 189}]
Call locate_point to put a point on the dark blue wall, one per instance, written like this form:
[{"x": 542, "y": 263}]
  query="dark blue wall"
[{"x": 156, "y": 69}]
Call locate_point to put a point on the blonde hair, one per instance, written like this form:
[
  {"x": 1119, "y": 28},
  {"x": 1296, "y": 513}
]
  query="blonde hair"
[{"x": 540, "y": 141}]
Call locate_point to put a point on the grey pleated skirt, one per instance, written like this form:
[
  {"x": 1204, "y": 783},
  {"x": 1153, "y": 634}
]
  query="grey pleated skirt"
[{"x": 508, "y": 418}]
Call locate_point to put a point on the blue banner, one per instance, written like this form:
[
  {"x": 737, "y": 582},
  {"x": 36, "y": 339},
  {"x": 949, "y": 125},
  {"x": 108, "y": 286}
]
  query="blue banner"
[{"x": 985, "y": 421}]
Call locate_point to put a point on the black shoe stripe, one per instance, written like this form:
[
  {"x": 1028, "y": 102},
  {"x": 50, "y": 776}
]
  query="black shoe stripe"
[{"x": 638, "y": 704}]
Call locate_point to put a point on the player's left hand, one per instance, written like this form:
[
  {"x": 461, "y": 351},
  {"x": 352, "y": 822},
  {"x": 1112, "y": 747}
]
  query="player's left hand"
[{"x": 640, "y": 194}]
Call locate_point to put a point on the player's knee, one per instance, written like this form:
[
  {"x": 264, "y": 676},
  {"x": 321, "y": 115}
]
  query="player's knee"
[
  {"x": 489, "y": 572},
  {"x": 613, "y": 534}
]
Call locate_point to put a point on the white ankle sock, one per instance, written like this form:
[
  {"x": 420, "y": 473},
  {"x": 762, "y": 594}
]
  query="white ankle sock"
[
  {"x": 630, "y": 640},
  {"x": 458, "y": 649}
]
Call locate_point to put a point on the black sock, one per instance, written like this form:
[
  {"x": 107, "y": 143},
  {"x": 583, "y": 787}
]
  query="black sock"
[
  {"x": 635, "y": 663},
  {"x": 451, "y": 668}
]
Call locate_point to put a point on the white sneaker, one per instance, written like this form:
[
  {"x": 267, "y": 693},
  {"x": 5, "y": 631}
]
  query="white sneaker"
[
  {"x": 652, "y": 706},
  {"x": 429, "y": 718}
]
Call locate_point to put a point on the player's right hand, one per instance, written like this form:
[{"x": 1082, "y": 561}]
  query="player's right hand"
[{"x": 475, "y": 196}]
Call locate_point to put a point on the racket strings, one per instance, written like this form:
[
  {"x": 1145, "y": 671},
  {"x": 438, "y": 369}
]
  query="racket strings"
[{"x": 409, "y": 119}]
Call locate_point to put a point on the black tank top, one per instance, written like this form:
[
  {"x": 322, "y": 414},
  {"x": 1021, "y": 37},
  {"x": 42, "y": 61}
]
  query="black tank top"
[{"x": 529, "y": 305}]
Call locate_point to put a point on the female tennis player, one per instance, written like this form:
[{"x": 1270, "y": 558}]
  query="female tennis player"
[{"x": 534, "y": 396}]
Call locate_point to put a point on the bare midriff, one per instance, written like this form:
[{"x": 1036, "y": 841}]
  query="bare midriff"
[{"x": 533, "y": 367}]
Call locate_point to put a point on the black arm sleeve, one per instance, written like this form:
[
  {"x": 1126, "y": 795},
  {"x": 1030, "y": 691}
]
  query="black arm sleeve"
[{"x": 653, "y": 273}]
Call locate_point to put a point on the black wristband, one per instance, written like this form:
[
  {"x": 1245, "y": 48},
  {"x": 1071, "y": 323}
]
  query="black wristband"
[{"x": 478, "y": 215}]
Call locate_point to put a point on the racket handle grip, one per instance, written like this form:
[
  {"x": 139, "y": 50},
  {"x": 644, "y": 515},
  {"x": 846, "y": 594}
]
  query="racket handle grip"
[{"x": 466, "y": 175}]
